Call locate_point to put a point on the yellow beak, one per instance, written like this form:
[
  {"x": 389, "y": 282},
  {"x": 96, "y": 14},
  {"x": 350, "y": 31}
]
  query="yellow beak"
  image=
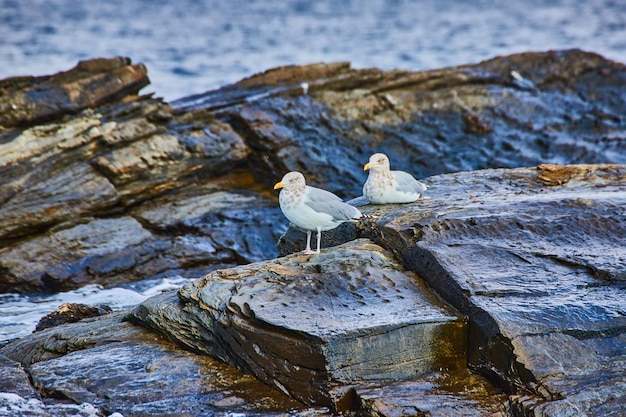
[
  {"x": 278, "y": 185},
  {"x": 366, "y": 167}
]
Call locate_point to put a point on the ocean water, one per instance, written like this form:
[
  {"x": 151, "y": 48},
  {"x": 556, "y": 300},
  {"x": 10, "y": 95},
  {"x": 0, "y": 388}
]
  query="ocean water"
[
  {"x": 19, "y": 314},
  {"x": 193, "y": 46}
]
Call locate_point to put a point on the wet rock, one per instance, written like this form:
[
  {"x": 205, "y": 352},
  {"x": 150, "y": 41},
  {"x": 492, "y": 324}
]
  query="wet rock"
[
  {"x": 19, "y": 398},
  {"x": 110, "y": 153},
  {"x": 539, "y": 271},
  {"x": 71, "y": 313},
  {"x": 429, "y": 122},
  {"x": 73, "y": 254},
  {"x": 63, "y": 181},
  {"x": 307, "y": 324},
  {"x": 14, "y": 379},
  {"x": 109, "y": 365},
  {"x": 439, "y": 394},
  {"x": 107, "y": 186},
  {"x": 230, "y": 215},
  {"x": 29, "y": 100}
]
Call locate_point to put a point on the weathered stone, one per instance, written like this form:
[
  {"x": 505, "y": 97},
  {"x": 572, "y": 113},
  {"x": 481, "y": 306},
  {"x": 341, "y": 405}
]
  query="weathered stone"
[
  {"x": 305, "y": 324},
  {"x": 70, "y": 313},
  {"x": 243, "y": 223},
  {"x": 139, "y": 379},
  {"x": 535, "y": 260},
  {"x": 66, "y": 338},
  {"x": 94, "y": 164},
  {"x": 73, "y": 192},
  {"x": 116, "y": 366},
  {"x": 28, "y": 100},
  {"x": 128, "y": 150},
  {"x": 527, "y": 109},
  {"x": 14, "y": 379},
  {"x": 72, "y": 256},
  {"x": 539, "y": 271},
  {"x": 439, "y": 394}
]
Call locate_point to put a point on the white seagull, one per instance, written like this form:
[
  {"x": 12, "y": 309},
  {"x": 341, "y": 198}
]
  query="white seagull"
[
  {"x": 312, "y": 209},
  {"x": 385, "y": 186}
]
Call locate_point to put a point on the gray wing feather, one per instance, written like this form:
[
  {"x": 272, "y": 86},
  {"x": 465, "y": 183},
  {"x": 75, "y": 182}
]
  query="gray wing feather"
[
  {"x": 407, "y": 184},
  {"x": 326, "y": 202}
]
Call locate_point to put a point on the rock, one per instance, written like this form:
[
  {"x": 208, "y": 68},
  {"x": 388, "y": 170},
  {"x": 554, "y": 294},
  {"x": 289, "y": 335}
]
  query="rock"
[
  {"x": 548, "y": 347},
  {"x": 308, "y": 324},
  {"x": 429, "y": 122},
  {"x": 239, "y": 223},
  {"x": 14, "y": 379},
  {"x": 109, "y": 365},
  {"x": 107, "y": 186},
  {"x": 110, "y": 153},
  {"x": 71, "y": 313},
  {"x": 59, "y": 179},
  {"x": 539, "y": 271},
  {"x": 29, "y": 100},
  {"x": 20, "y": 398},
  {"x": 437, "y": 394}
]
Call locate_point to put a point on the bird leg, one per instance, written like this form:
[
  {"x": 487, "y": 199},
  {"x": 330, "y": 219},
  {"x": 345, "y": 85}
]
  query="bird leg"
[
  {"x": 319, "y": 240},
  {"x": 308, "y": 250}
]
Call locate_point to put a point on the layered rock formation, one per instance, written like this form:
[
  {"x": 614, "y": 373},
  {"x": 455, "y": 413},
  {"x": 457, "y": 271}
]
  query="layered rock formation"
[{"x": 501, "y": 293}]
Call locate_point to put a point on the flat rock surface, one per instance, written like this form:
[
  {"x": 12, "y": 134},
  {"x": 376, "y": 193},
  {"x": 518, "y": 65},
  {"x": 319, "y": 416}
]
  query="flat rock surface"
[
  {"x": 307, "y": 323},
  {"x": 435, "y": 395}
]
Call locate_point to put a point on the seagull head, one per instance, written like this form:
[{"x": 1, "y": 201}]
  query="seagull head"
[
  {"x": 378, "y": 162},
  {"x": 291, "y": 180}
]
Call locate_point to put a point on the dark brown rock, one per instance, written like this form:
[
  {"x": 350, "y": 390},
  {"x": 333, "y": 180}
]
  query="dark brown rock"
[
  {"x": 520, "y": 110},
  {"x": 59, "y": 179},
  {"x": 71, "y": 313},
  {"x": 30, "y": 100}
]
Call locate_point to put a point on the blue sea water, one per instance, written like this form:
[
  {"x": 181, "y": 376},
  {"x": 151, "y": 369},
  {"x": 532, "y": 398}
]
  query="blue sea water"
[{"x": 193, "y": 46}]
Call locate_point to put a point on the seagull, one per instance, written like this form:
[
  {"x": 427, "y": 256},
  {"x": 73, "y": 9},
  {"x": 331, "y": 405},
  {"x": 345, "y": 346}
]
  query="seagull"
[
  {"x": 312, "y": 209},
  {"x": 385, "y": 186}
]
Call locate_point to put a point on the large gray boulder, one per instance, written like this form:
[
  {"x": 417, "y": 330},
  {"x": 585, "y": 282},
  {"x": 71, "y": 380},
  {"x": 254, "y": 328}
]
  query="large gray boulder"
[
  {"x": 309, "y": 324},
  {"x": 536, "y": 258}
]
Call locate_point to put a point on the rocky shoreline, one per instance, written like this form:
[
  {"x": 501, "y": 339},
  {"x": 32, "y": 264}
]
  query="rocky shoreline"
[{"x": 499, "y": 294}]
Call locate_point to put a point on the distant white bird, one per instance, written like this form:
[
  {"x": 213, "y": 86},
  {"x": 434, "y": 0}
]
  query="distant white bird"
[
  {"x": 312, "y": 209},
  {"x": 385, "y": 186}
]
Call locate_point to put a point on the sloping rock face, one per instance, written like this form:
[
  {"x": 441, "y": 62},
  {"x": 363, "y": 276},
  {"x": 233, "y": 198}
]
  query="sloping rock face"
[
  {"x": 80, "y": 196},
  {"x": 107, "y": 365},
  {"x": 562, "y": 107},
  {"x": 305, "y": 324}
]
